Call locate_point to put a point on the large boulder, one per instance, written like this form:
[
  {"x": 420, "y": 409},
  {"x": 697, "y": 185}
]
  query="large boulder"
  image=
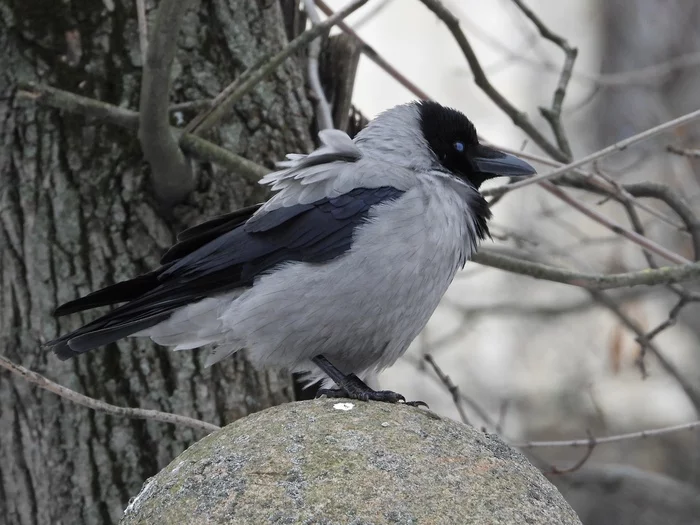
[{"x": 333, "y": 462}]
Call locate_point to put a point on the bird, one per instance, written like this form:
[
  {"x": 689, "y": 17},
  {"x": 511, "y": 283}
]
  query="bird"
[{"x": 337, "y": 272}]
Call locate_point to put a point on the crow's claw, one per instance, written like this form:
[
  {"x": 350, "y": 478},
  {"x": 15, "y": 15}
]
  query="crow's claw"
[
  {"x": 352, "y": 387},
  {"x": 384, "y": 396}
]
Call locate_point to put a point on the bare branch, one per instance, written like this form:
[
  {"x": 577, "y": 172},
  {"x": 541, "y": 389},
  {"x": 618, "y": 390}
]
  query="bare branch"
[
  {"x": 649, "y": 346},
  {"x": 611, "y": 439},
  {"x": 450, "y": 386},
  {"x": 559, "y": 471},
  {"x": 587, "y": 181},
  {"x": 655, "y": 190},
  {"x": 591, "y": 281},
  {"x": 519, "y": 118},
  {"x": 72, "y": 103},
  {"x": 668, "y": 323},
  {"x": 323, "y": 108},
  {"x": 645, "y": 242},
  {"x": 125, "y": 118},
  {"x": 553, "y": 114},
  {"x": 170, "y": 171},
  {"x": 692, "y": 153},
  {"x": 546, "y": 33},
  {"x": 372, "y": 13},
  {"x": 419, "y": 364},
  {"x": 260, "y": 70},
  {"x": 598, "y": 155},
  {"x": 101, "y": 406}
]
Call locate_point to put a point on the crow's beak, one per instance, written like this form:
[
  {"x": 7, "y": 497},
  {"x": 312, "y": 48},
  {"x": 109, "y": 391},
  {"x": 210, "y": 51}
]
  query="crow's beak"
[{"x": 491, "y": 163}]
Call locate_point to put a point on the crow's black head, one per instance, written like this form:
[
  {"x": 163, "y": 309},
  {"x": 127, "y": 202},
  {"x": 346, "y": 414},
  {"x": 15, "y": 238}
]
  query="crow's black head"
[{"x": 452, "y": 138}]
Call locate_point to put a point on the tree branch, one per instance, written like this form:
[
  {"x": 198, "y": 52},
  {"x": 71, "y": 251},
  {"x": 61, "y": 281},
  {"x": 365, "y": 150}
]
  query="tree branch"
[
  {"x": 598, "y": 155},
  {"x": 610, "y": 439},
  {"x": 101, "y": 406},
  {"x": 585, "y": 180},
  {"x": 592, "y": 281},
  {"x": 519, "y": 118},
  {"x": 692, "y": 153},
  {"x": 635, "y": 237},
  {"x": 647, "y": 345},
  {"x": 480, "y": 412},
  {"x": 553, "y": 114},
  {"x": 450, "y": 386},
  {"x": 125, "y": 118},
  {"x": 654, "y": 190},
  {"x": 170, "y": 171}
]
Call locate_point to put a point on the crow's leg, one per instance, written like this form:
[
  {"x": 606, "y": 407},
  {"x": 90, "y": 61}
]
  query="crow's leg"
[{"x": 352, "y": 387}]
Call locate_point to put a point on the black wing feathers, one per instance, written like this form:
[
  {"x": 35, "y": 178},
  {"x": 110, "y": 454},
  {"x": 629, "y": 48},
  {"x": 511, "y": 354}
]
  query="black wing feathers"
[
  {"x": 219, "y": 255},
  {"x": 114, "y": 294},
  {"x": 197, "y": 236}
]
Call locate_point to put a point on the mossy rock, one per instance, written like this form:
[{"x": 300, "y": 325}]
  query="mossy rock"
[{"x": 328, "y": 462}]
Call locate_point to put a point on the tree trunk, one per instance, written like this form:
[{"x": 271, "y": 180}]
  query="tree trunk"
[{"x": 77, "y": 214}]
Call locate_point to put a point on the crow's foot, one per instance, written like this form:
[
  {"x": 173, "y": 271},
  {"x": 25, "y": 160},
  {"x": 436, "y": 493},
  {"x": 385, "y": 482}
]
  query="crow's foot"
[
  {"x": 352, "y": 387},
  {"x": 385, "y": 396}
]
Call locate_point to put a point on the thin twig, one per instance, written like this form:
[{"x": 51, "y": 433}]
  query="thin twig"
[
  {"x": 643, "y": 434},
  {"x": 559, "y": 471},
  {"x": 621, "y": 194},
  {"x": 587, "y": 181},
  {"x": 260, "y": 70},
  {"x": 645, "y": 242},
  {"x": 591, "y": 281},
  {"x": 647, "y": 345},
  {"x": 668, "y": 323},
  {"x": 553, "y": 114},
  {"x": 519, "y": 118},
  {"x": 101, "y": 406},
  {"x": 684, "y": 297},
  {"x": 419, "y": 364},
  {"x": 375, "y": 57},
  {"x": 655, "y": 190},
  {"x": 638, "y": 227},
  {"x": 323, "y": 108},
  {"x": 618, "y": 146},
  {"x": 450, "y": 386},
  {"x": 107, "y": 113},
  {"x": 170, "y": 171},
  {"x": 692, "y": 153},
  {"x": 371, "y": 13}
]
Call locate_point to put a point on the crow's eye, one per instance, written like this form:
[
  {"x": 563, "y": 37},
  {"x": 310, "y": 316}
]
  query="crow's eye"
[{"x": 459, "y": 146}]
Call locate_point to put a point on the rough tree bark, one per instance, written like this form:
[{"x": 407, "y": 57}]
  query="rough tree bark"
[{"x": 77, "y": 213}]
